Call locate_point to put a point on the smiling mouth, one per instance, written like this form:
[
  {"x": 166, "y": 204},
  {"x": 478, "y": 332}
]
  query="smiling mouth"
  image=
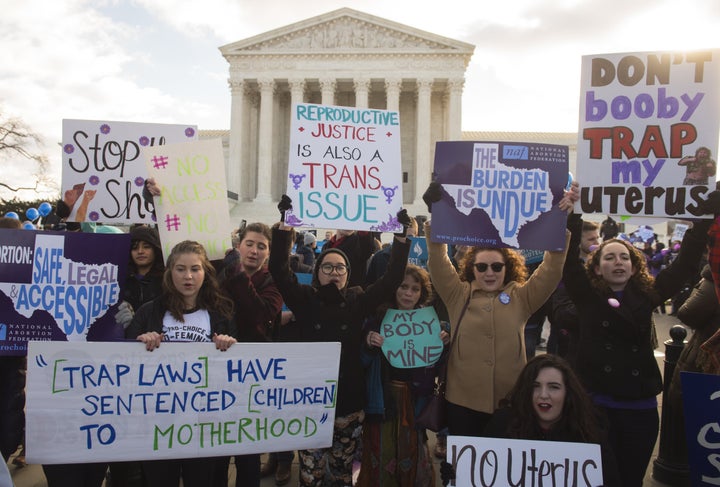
[{"x": 543, "y": 406}]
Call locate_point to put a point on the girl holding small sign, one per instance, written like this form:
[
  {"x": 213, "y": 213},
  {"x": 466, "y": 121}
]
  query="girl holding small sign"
[
  {"x": 395, "y": 451},
  {"x": 329, "y": 310}
]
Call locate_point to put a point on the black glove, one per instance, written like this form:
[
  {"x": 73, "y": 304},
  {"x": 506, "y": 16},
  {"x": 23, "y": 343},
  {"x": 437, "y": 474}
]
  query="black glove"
[
  {"x": 404, "y": 219},
  {"x": 712, "y": 204},
  {"x": 284, "y": 205},
  {"x": 432, "y": 194},
  {"x": 447, "y": 472}
]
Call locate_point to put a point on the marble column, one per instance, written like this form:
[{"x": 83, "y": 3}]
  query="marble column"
[
  {"x": 235, "y": 168},
  {"x": 265, "y": 138},
  {"x": 362, "y": 92},
  {"x": 454, "y": 108},
  {"x": 392, "y": 94},
  {"x": 297, "y": 90},
  {"x": 423, "y": 165},
  {"x": 327, "y": 90}
]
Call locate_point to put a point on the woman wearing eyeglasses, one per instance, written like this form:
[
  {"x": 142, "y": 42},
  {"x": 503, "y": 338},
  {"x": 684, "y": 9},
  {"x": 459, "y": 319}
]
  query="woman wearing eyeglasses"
[
  {"x": 489, "y": 299},
  {"x": 330, "y": 311}
]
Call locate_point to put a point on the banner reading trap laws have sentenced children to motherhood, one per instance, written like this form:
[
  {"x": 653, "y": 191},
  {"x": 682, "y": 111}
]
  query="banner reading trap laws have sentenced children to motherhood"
[
  {"x": 92, "y": 402},
  {"x": 59, "y": 286},
  {"x": 193, "y": 203},
  {"x": 500, "y": 194},
  {"x": 344, "y": 169},
  {"x": 500, "y": 462},
  {"x": 104, "y": 169},
  {"x": 645, "y": 119}
]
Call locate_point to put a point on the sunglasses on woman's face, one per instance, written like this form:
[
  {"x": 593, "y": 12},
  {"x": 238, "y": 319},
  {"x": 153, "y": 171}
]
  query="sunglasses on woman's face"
[{"x": 495, "y": 266}]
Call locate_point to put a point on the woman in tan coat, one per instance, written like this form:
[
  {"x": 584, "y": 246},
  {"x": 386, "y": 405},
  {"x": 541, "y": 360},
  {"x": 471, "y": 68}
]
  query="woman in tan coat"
[{"x": 489, "y": 299}]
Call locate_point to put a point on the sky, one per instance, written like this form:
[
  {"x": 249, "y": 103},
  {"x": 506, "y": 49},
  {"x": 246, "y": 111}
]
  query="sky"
[{"x": 158, "y": 61}]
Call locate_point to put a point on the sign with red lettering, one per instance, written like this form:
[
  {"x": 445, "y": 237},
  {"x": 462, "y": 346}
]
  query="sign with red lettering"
[
  {"x": 648, "y": 138},
  {"x": 104, "y": 170},
  {"x": 345, "y": 168}
]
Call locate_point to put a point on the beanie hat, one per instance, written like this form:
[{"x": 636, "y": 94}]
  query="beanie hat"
[{"x": 309, "y": 239}]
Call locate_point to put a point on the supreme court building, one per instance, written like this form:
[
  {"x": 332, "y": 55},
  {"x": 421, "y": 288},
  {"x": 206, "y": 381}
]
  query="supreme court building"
[{"x": 345, "y": 58}]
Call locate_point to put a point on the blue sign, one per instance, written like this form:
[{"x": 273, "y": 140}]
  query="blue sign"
[{"x": 701, "y": 402}]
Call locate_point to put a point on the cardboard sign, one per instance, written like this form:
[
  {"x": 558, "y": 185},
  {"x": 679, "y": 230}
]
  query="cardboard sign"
[
  {"x": 96, "y": 402},
  {"x": 345, "y": 168},
  {"x": 104, "y": 169},
  {"x": 60, "y": 286},
  {"x": 193, "y": 204},
  {"x": 701, "y": 400},
  {"x": 500, "y": 194},
  {"x": 411, "y": 338},
  {"x": 643, "y": 118},
  {"x": 494, "y": 461}
]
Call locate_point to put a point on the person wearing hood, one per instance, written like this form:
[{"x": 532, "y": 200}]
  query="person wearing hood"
[{"x": 329, "y": 310}]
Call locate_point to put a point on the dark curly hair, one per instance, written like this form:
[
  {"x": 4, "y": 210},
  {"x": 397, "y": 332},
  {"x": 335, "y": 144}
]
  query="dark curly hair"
[
  {"x": 515, "y": 269},
  {"x": 210, "y": 296},
  {"x": 641, "y": 278},
  {"x": 579, "y": 420}
]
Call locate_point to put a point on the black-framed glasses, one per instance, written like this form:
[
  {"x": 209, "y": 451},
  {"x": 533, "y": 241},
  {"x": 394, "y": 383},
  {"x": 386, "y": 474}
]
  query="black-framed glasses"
[
  {"x": 495, "y": 266},
  {"x": 340, "y": 269}
]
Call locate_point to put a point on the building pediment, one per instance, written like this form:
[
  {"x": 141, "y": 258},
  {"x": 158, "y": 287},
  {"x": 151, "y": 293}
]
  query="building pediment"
[{"x": 345, "y": 31}]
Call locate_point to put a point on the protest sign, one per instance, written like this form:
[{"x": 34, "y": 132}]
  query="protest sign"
[
  {"x": 95, "y": 402},
  {"x": 411, "y": 337},
  {"x": 104, "y": 169},
  {"x": 495, "y": 462},
  {"x": 193, "y": 204},
  {"x": 701, "y": 396},
  {"x": 60, "y": 286},
  {"x": 345, "y": 168},
  {"x": 500, "y": 194},
  {"x": 418, "y": 252},
  {"x": 643, "y": 119}
]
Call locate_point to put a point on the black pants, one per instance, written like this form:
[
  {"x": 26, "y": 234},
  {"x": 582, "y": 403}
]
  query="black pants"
[
  {"x": 463, "y": 421},
  {"x": 195, "y": 472},
  {"x": 632, "y": 435},
  {"x": 75, "y": 475},
  {"x": 247, "y": 471}
]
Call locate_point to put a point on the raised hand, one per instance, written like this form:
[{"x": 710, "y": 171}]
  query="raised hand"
[
  {"x": 432, "y": 194},
  {"x": 284, "y": 205}
]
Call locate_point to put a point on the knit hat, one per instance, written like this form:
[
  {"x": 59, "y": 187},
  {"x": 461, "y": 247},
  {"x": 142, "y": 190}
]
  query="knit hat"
[{"x": 309, "y": 239}]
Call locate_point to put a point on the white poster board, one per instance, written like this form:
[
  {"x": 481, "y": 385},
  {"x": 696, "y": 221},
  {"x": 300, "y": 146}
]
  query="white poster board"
[
  {"x": 104, "y": 401},
  {"x": 193, "y": 204},
  {"x": 104, "y": 171},
  {"x": 344, "y": 169},
  {"x": 499, "y": 461},
  {"x": 643, "y": 118}
]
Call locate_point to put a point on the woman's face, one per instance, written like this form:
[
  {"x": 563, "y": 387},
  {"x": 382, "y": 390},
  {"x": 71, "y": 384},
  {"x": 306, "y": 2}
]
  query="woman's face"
[
  {"x": 549, "y": 396},
  {"x": 489, "y": 280},
  {"x": 333, "y": 270},
  {"x": 408, "y": 293},
  {"x": 143, "y": 255},
  {"x": 188, "y": 275},
  {"x": 254, "y": 250},
  {"x": 615, "y": 266}
]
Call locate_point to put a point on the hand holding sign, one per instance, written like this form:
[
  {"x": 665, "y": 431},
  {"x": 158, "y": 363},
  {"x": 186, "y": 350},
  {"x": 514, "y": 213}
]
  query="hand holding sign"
[{"x": 411, "y": 338}]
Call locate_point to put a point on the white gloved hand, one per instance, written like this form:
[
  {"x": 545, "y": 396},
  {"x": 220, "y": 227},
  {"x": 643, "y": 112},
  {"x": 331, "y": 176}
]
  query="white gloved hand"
[{"x": 125, "y": 314}]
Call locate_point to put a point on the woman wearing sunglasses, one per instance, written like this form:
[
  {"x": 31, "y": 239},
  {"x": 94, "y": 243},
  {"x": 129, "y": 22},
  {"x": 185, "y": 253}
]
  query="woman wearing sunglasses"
[
  {"x": 489, "y": 299},
  {"x": 329, "y": 310}
]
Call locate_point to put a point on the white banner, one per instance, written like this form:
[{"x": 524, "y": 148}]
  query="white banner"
[
  {"x": 114, "y": 401},
  {"x": 499, "y": 461}
]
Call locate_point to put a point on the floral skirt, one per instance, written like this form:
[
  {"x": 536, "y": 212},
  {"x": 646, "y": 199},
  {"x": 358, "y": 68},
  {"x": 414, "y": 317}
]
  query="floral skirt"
[{"x": 395, "y": 453}]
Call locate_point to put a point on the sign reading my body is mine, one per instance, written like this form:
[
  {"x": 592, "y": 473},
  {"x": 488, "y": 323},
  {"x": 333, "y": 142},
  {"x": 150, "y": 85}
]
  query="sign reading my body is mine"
[{"x": 344, "y": 168}]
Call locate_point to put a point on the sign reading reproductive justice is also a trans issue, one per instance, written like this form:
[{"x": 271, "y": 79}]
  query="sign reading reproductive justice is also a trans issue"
[
  {"x": 97, "y": 402},
  {"x": 344, "y": 169},
  {"x": 500, "y": 194}
]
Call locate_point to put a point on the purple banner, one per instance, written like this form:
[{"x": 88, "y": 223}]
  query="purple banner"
[
  {"x": 60, "y": 286},
  {"x": 500, "y": 194}
]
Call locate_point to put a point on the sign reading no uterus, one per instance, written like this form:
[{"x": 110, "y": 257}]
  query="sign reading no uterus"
[
  {"x": 193, "y": 203},
  {"x": 344, "y": 169}
]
